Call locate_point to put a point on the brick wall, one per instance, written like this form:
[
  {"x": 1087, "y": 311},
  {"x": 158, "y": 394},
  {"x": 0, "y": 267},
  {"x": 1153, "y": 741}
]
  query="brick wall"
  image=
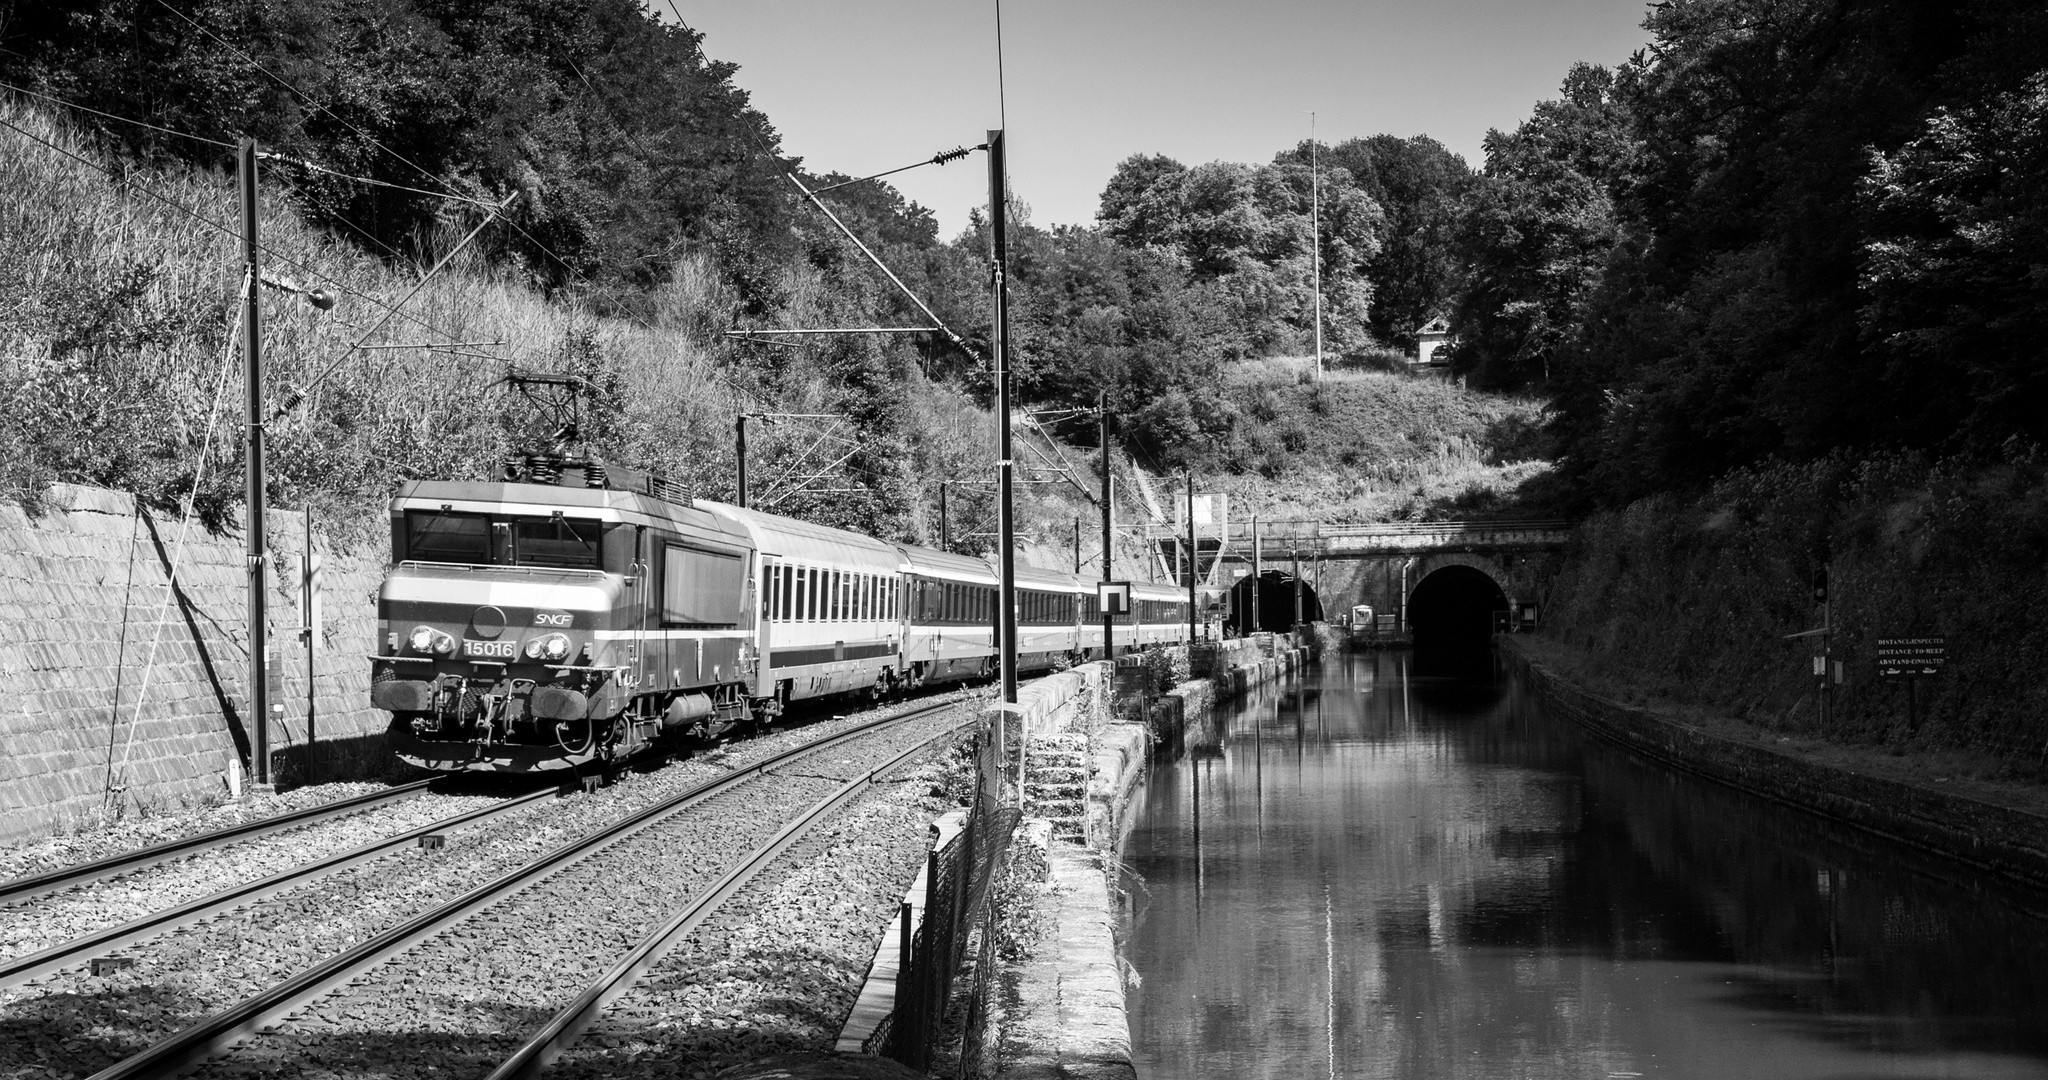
[{"x": 121, "y": 693}]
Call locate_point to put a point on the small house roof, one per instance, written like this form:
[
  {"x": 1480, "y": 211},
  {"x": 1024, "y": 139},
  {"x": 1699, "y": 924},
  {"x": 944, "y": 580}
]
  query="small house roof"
[{"x": 1438, "y": 325}]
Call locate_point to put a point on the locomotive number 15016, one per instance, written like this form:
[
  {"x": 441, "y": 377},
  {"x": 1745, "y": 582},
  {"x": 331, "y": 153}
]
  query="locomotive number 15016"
[{"x": 502, "y": 650}]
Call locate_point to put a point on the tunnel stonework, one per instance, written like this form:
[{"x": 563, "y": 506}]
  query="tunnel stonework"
[{"x": 1388, "y": 582}]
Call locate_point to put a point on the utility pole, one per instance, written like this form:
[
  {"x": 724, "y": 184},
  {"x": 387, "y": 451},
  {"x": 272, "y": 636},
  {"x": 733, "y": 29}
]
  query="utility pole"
[
  {"x": 1077, "y": 544},
  {"x": 740, "y": 456},
  {"x": 1257, "y": 568},
  {"x": 1294, "y": 546},
  {"x": 252, "y": 377},
  {"x": 309, "y": 609},
  {"x": 1315, "y": 242},
  {"x": 999, "y": 212},
  {"x": 1194, "y": 554},
  {"x": 944, "y": 544},
  {"x": 1108, "y": 525}
]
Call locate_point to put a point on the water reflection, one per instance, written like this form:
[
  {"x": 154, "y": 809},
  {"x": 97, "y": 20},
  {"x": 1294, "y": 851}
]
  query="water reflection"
[{"x": 1371, "y": 874}]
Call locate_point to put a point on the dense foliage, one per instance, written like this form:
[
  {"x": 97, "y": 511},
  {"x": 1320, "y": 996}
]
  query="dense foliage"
[
  {"x": 1790, "y": 227},
  {"x": 1691, "y": 597},
  {"x": 620, "y": 138}
]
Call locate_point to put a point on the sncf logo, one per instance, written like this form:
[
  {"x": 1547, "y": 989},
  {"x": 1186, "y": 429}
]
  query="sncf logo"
[{"x": 550, "y": 618}]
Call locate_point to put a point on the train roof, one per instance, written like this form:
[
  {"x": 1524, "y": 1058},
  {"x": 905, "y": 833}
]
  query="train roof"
[
  {"x": 787, "y": 538},
  {"x": 604, "y": 504},
  {"x": 1058, "y": 580},
  {"x": 924, "y": 560}
]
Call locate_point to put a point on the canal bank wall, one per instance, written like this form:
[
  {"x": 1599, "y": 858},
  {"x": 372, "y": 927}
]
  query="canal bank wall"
[
  {"x": 2009, "y": 842},
  {"x": 1055, "y": 1005}
]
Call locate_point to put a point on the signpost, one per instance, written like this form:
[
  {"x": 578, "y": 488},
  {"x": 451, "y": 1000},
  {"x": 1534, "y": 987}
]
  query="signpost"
[{"x": 1911, "y": 659}]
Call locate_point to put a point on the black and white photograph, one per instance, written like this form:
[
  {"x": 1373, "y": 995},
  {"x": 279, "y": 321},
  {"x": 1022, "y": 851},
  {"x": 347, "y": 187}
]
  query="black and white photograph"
[{"x": 1047, "y": 540}]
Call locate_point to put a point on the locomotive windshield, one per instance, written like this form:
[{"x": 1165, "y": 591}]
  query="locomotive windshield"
[{"x": 554, "y": 542}]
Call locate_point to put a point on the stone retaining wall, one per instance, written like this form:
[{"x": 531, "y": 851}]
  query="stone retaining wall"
[
  {"x": 1062, "y": 1010},
  {"x": 2010, "y": 843},
  {"x": 124, "y": 692}
]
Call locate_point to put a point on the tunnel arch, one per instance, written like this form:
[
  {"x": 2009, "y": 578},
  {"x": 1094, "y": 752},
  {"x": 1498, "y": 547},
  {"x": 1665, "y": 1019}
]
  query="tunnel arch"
[
  {"x": 1276, "y": 602},
  {"x": 1452, "y": 605}
]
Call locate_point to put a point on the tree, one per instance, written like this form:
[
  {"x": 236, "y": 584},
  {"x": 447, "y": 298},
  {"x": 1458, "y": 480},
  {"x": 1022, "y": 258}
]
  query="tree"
[
  {"x": 1423, "y": 188},
  {"x": 1955, "y": 282},
  {"x": 1538, "y": 230}
]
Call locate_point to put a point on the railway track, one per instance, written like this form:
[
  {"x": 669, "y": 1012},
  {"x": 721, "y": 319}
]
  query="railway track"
[
  {"x": 100, "y": 943},
  {"x": 24, "y": 889},
  {"x": 532, "y": 905}
]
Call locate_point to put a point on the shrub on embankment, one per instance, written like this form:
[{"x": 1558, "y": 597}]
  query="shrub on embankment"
[{"x": 1690, "y": 598}]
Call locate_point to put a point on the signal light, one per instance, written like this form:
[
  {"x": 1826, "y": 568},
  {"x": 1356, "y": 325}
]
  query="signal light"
[{"x": 1820, "y": 585}]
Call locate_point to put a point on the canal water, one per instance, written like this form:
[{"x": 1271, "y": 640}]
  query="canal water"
[{"x": 1372, "y": 873}]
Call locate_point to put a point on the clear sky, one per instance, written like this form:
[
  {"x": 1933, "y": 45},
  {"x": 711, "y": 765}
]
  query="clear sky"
[{"x": 860, "y": 86}]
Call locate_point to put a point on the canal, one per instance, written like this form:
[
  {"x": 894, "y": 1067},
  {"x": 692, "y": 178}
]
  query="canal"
[{"x": 1372, "y": 873}]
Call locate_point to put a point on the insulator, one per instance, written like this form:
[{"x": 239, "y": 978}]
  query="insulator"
[{"x": 593, "y": 474}]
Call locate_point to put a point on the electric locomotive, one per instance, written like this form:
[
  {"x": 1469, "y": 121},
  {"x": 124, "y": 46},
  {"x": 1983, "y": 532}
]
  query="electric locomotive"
[
  {"x": 574, "y": 615},
  {"x": 534, "y": 626}
]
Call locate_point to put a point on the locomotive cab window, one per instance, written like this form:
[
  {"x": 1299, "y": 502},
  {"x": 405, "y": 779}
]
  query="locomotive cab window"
[
  {"x": 560, "y": 542},
  {"x": 448, "y": 537},
  {"x": 554, "y": 542}
]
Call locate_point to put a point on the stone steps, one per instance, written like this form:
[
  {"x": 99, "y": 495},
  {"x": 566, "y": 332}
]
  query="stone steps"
[{"x": 1056, "y": 784}]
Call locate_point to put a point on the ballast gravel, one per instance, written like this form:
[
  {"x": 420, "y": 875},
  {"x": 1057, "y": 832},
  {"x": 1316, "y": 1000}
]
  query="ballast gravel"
[
  {"x": 462, "y": 1003},
  {"x": 52, "y": 920},
  {"x": 780, "y": 967},
  {"x": 76, "y": 1023},
  {"x": 133, "y": 834}
]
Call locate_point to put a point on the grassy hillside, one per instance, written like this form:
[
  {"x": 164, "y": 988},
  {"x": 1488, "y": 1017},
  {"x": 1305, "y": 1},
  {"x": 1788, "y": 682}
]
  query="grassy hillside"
[
  {"x": 119, "y": 306},
  {"x": 1363, "y": 445}
]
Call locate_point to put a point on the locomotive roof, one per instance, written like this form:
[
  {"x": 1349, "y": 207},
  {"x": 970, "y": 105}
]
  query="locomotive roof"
[
  {"x": 604, "y": 504},
  {"x": 788, "y": 538}
]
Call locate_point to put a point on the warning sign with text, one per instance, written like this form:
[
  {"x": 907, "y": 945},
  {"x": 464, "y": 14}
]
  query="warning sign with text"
[{"x": 1910, "y": 657}]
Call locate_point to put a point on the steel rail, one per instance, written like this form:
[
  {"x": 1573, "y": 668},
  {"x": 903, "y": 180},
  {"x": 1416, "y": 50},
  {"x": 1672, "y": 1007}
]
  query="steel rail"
[
  {"x": 29, "y": 888},
  {"x": 223, "y": 1029},
  {"x": 562, "y": 1030},
  {"x": 79, "y": 950}
]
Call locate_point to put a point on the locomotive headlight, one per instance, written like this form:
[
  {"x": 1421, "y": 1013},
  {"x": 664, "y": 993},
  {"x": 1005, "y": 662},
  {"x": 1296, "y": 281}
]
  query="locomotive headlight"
[
  {"x": 443, "y": 644},
  {"x": 534, "y": 647},
  {"x": 555, "y": 647},
  {"x": 422, "y": 639}
]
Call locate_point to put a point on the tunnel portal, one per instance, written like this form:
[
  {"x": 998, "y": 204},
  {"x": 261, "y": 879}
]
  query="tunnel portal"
[
  {"x": 1452, "y": 610},
  {"x": 1276, "y": 603}
]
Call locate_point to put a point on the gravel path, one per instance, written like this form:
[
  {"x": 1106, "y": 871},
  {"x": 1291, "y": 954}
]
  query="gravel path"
[{"x": 74, "y": 1023}]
